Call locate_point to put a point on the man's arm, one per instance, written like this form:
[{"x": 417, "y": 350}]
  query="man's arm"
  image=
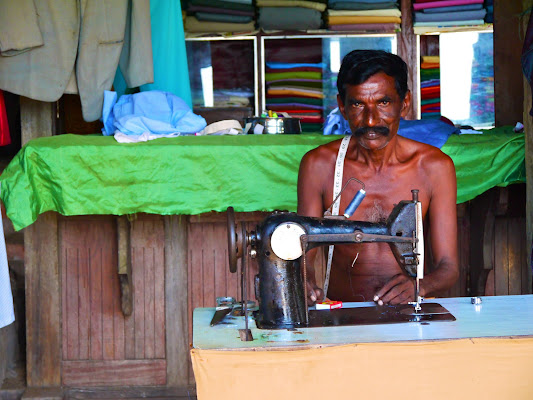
[
  {"x": 442, "y": 218},
  {"x": 310, "y": 191}
]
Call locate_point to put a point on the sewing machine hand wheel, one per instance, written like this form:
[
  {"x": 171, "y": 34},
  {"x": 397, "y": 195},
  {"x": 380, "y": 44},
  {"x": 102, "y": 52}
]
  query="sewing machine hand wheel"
[{"x": 235, "y": 241}]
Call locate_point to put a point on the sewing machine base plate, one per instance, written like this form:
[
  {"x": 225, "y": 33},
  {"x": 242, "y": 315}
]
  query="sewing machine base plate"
[{"x": 386, "y": 314}]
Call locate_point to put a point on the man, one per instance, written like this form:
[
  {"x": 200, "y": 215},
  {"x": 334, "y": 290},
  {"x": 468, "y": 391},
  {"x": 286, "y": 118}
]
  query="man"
[{"x": 373, "y": 96}]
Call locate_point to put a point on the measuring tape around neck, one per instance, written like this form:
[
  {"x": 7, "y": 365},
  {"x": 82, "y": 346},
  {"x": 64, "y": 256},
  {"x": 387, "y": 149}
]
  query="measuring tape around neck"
[{"x": 337, "y": 185}]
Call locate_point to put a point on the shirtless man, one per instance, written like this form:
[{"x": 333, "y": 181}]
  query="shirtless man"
[{"x": 373, "y": 96}]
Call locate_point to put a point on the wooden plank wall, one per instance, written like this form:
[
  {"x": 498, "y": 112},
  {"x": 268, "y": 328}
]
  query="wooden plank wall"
[
  {"x": 510, "y": 273},
  {"x": 100, "y": 345}
]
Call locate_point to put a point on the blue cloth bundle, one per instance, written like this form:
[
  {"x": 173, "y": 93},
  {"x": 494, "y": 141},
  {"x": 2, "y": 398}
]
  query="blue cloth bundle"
[{"x": 155, "y": 112}]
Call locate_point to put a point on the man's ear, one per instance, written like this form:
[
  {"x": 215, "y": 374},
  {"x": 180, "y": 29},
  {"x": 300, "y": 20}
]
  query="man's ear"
[
  {"x": 340, "y": 103},
  {"x": 406, "y": 104}
]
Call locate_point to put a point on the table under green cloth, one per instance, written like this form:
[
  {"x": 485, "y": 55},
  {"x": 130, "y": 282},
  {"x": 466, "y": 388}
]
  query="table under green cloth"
[{"x": 93, "y": 174}]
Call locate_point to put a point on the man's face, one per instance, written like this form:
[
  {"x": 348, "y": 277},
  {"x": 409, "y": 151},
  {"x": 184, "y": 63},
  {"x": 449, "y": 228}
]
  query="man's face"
[{"x": 373, "y": 109}]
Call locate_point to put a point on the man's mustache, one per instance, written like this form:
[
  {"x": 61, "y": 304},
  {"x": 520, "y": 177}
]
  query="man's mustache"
[{"x": 381, "y": 130}]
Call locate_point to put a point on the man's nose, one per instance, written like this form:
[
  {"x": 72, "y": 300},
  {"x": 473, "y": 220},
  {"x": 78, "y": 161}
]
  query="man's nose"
[{"x": 371, "y": 116}]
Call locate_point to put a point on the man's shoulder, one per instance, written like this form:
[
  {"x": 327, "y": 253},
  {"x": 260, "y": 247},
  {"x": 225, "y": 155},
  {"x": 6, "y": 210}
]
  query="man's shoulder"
[
  {"x": 426, "y": 154},
  {"x": 324, "y": 151}
]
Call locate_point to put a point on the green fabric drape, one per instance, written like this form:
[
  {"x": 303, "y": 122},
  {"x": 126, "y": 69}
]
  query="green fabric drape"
[{"x": 79, "y": 175}]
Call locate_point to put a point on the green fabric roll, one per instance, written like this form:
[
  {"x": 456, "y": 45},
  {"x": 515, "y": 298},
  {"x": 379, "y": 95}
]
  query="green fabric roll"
[
  {"x": 429, "y": 74},
  {"x": 302, "y": 100},
  {"x": 94, "y": 174},
  {"x": 273, "y": 76}
]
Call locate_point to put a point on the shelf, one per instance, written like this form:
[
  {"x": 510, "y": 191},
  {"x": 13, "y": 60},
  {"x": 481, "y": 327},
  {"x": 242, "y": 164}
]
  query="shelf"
[{"x": 437, "y": 30}]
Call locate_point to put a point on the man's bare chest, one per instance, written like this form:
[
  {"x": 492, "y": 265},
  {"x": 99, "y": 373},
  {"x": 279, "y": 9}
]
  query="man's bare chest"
[{"x": 383, "y": 192}]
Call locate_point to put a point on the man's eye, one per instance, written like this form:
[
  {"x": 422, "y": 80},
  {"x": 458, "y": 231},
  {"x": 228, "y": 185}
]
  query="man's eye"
[
  {"x": 384, "y": 102},
  {"x": 356, "y": 104}
]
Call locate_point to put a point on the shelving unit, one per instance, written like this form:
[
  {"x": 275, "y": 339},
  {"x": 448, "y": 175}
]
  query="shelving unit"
[{"x": 223, "y": 72}]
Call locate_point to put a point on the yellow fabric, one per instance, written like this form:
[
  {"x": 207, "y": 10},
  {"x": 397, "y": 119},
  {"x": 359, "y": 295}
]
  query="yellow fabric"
[
  {"x": 292, "y": 3},
  {"x": 481, "y": 368},
  {"x": 295, "y": 92},
  {"x": 340, "y": 20},
  {"x": 431, "y": 59}
]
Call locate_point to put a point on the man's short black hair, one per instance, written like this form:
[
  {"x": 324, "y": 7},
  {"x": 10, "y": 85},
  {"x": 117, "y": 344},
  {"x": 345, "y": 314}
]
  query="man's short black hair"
[{"x": 359, "y": 65}]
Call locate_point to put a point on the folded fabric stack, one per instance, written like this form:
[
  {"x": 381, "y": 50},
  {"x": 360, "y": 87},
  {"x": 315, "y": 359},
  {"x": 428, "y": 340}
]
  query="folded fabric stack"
[
  {"x": 430, "y": 87},
  {"x": 296, "y": 89},
  {"x": 290, "y": 14},
  {"x": 219, "y": 16},
  {"x": 445, "y": 13},
  {"x": 364, "y": 15}
]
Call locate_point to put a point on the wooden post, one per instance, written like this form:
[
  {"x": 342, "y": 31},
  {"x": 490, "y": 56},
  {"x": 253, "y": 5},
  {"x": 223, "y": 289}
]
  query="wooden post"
[
  {"x": 41, "y": 260},
  {"x": 528, "y": 132},
  {"x": 508, "y": 93},
  {"x": 176, "y": 297},
  {"x": 407, "y": 50},
  {"x": 37, "y": 119}
]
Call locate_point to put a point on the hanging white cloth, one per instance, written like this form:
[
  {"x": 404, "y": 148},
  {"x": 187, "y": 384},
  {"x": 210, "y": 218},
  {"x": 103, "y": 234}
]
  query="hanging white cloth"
[{"x": 7, "y": 314}]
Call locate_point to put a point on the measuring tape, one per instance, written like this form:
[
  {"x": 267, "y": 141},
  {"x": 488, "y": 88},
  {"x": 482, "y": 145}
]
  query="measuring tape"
[{"x": 337, "y": 185}]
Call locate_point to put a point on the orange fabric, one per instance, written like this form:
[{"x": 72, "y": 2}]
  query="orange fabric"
[{"x": 481, "y": 368}]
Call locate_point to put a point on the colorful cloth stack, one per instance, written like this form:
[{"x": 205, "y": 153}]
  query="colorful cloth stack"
[
  {"x": 290, "y": 14},
  {"x": 219, "y": 16},
  {"x": 363, "y": 15},
  {"x": 444, "y": 13},
  {"x": 296, "y": 89},
  {"x": 430, "y": 87}
]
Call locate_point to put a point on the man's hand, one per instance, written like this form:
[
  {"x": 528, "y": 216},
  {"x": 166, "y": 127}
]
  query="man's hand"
[
  {"x": 399, "y": 290},
  {"x": 314, "y": 293}
]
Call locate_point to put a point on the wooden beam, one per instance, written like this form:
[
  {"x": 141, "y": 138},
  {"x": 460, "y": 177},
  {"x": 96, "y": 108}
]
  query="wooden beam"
[
  {"x": 407, "y": 50},
  {"x": 508, "y": 93},
  {"x": 43, "y": 303},
  {"x": 528, "y": 132},
  {"x": 41, "y": 262},
  {"x": 176, "y": 297},
  {"x": 37, "y": 119}
]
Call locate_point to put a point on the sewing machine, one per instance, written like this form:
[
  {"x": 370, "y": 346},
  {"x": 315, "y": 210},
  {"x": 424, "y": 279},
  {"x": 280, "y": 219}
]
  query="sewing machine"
[{"x": 280, "y": 244}]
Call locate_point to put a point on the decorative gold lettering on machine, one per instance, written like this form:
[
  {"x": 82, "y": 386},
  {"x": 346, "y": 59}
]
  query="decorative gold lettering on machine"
[{"x": 280, "y": 244}]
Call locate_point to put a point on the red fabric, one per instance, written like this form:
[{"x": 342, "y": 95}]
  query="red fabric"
[
  {"x": 317, "y": 120},
  {"x": 430, "y": 90},
  {"x": 5, "y": 137},
  {"x": 430, "y": 96},
  {"x": 291, "y": 111}
]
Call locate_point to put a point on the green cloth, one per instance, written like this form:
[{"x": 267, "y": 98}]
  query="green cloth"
[
  {"x": 79, "y": 175},
  {"x": 288, "y": 100},
  {"x": 273, "y": 76}
]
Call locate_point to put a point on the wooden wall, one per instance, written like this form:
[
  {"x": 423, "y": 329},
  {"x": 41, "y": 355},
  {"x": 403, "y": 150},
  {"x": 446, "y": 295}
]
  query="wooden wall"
[{"x": 100, "y": 345}]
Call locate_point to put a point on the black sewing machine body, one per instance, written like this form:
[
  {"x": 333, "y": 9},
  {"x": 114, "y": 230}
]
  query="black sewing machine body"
[{"x": 279, "y": 285}]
